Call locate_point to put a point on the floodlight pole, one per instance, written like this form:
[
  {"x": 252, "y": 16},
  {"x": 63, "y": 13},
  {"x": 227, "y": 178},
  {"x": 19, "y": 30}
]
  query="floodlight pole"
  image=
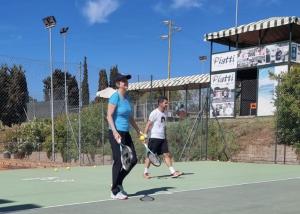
[
  {"x": 169, "y": 48},
  {"x": 169, "y": 53},
  {"x": 236, "y": 12},
  {"x": 79, "y": 116},
  {"x": 65, "y": 71},
  {"x": 171, "y": 28},
  {"x": 52, "y": 99},
  {"x": 52, "y": 95},
  {"x": 63, "y": 32},
  {"x": 49, "y": 23}
]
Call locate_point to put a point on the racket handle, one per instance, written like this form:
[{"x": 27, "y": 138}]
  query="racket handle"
[
  {"x": 119, "y": 140},
  {"x": 146, "y": 146}
]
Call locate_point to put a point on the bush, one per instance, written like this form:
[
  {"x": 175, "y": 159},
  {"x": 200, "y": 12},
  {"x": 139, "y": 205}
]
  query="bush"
[
  {"x": 22, "y": 140},
  {"x": 178, "y": 133},
  {"x": 91, "y": 134},
  {"x": 1, "y": 126},
  {"x": 65, "y": 143},
  {"x": 221, "y": 142},
  {"x": 287, "y": 104}
]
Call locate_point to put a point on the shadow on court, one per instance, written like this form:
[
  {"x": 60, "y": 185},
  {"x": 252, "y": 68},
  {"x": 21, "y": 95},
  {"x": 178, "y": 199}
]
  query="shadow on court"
[
  {"x": 15, "y": 208},
  {"x": 4, "y": 201},
  {"x": 151, "y": 191},
  {"x": 169, "y": 176}
]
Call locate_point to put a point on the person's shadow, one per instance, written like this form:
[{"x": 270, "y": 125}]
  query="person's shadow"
[
  {"x": 151, "y": 191},
  {"x": 169, "y": 176}
]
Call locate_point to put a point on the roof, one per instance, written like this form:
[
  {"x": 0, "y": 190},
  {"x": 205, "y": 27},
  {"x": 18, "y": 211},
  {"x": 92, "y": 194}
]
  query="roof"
[
  {"x": 174, "y": 83},
  {"x": 270, "y": 30}
]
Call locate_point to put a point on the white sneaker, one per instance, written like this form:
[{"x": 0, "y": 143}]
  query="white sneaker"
[
  {"x": 118, "y": 196},
  {"x": 122, "y": 190}
]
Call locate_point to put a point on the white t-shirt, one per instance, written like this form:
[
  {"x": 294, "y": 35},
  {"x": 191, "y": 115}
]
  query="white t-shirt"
[{"x": 158, "y": 120}]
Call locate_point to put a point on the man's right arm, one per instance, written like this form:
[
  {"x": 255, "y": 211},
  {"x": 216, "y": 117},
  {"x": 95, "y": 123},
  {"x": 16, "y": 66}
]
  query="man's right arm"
[
  {"x": 150, "y": 122},
  {"x": 148, "y": 127}
]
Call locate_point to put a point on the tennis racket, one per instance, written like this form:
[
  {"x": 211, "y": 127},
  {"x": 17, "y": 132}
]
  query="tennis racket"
[
  {"x": 154, "y": 158},
  {"x": 126, "y": 156}
]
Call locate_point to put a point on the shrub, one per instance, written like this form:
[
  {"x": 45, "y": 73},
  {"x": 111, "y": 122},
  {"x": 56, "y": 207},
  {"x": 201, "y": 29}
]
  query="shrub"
[{"x": 287, "y": 103}]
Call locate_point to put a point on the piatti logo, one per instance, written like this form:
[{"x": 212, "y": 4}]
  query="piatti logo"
[{"x": 224, "y": 61}]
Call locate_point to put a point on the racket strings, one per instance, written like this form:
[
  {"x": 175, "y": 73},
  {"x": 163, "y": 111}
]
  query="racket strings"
[
  {"x": 153, "y": 158},
  {"x": 126, "y": 157}
]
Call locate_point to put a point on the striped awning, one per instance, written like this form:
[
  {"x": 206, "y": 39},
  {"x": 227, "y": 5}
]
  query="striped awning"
[
  {"x": 173, "y": 83},
  {"x": 271, "y": 30}
]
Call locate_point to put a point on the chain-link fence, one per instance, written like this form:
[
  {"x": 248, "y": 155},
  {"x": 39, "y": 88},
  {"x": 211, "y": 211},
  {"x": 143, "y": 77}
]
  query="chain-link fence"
[
  {"x": 26, "y": 124},
  {"x": 26, "y": 112}
]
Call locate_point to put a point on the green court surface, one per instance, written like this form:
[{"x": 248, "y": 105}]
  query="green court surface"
[{"x": 206, "y": 187}]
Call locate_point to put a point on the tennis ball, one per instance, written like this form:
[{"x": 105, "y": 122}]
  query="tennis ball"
[
  {"x": 142, "y": 137},
  {"x": 55, "y": 169},
  {"x": 94, "y": 166},
  {"x": 68, "y": 168}
]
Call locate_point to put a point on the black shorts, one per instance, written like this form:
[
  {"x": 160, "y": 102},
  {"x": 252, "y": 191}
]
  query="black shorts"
[{"x": 158, "y": 146}]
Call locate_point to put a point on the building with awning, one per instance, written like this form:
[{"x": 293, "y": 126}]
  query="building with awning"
[
  {"x": 240, "y": 82},
  {"x": 191, "y": 89},
  {"x": 265, "y": 31},
  {"x": 177, "y": 83}
]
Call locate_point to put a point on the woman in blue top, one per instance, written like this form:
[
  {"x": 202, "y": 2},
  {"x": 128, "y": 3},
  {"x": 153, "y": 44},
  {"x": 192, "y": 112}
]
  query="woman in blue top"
[{"x": 119, "y": 117}]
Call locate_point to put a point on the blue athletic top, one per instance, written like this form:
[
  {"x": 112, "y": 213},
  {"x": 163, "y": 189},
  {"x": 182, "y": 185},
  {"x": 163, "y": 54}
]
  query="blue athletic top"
[{"x": 122, "y": 112}]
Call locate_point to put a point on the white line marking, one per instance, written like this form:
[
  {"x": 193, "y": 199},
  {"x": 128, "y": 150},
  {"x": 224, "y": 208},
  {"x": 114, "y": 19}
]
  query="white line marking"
[
  {"x": 49, "y": 179},
  {"x": 179, "y": 191},
  {"x": 40, "y": 179}
]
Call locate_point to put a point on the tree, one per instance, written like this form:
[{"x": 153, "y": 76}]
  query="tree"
[
  {"x": 73, "y": 91},
  {"x": 4, "y": 80},
  {"x": 102, "y": 82},
  {"x": 85, "y": 85},
  {"x": 15, "y": 86},
  {"x": 58, "y": 87},
  {"x": 287, "y": 104},
  {"x": 113, "y": 73}
]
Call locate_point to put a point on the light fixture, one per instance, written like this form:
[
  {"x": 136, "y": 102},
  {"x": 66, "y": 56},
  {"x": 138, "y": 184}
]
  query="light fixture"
[{"x": 49, "y": 21}]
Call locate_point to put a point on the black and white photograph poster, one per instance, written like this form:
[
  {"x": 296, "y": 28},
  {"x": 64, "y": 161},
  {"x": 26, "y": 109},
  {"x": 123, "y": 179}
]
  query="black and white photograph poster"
[{"x": 222, "y": 95}]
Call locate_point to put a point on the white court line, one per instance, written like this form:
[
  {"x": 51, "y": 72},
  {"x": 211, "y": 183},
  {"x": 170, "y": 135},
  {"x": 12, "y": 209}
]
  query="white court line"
[
  {"x": 49, "y": 179},
  {"x": 179, "y": 191}
]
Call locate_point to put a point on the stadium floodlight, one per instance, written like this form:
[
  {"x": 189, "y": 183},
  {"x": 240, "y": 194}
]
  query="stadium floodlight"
[
  {"x": 202, "y": 58},
  {"x": 64, "y": 30},
  {"x": 177, "y": 29},
  {"x": 164, "y": 37},
  {"x": 49, "y": 21},
  {"x": 166, "y": 22}
]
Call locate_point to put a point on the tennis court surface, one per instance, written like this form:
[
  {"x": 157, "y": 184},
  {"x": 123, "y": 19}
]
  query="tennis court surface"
[{"x": 206, "y": 187}]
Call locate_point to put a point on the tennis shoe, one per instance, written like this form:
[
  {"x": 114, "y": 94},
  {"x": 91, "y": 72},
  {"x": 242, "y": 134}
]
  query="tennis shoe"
[
  {"x": 176, "y": 174},
  {"x": 119, "y": 196},
  {"x": 147, "y": 175},
  {"x": 122, "y": 190}
]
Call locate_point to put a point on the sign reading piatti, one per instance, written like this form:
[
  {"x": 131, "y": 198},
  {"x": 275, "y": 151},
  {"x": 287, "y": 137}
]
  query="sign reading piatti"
[{"x": 224, "y": 61}]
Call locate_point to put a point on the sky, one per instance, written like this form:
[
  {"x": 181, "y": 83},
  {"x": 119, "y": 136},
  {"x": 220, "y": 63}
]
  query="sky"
[{"x": 122, "y": 32}]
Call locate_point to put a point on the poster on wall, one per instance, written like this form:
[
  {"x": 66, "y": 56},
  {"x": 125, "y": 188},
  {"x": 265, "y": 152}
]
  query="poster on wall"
[
  {"x": 268, "y": 54},
  {"x": 222, "y": 95},
  {"x": 295, "y": 52},
  {"x": 255, "y": 56},
  {"x": 266, "y": 90},
  {"x": 224, "y": 61}
]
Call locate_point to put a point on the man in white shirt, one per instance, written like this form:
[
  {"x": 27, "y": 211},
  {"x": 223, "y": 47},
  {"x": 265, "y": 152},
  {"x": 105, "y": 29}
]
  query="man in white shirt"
[{"x": 156, "y": 126}]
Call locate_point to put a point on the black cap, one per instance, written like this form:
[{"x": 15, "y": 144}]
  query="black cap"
[{"x": 120, "y": 77}]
